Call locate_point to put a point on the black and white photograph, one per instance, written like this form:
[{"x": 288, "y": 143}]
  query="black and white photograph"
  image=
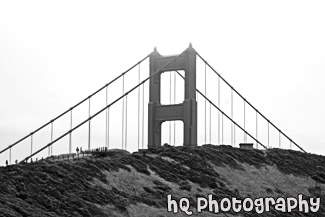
[{"x": 162, "y": 108}]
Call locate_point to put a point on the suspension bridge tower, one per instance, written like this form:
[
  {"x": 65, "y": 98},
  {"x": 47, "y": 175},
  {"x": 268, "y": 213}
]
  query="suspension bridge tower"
[{"x": 185, "y": 111}]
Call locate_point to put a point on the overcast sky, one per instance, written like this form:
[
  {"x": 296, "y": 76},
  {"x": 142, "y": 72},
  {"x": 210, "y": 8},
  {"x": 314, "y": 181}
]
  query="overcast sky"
[{"x": 55, "y": 53}]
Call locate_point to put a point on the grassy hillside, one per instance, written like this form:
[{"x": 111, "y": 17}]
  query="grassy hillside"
[{"x": 123, "y": 184}]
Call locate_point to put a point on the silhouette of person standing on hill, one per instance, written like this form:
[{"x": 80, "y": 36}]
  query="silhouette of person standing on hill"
[
  {"x": 6, "y": 162},
  {"x": 77, "y": 151}
]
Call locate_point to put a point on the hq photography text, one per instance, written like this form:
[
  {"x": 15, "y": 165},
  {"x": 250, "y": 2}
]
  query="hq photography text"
[{"x": 258, "y": 205}]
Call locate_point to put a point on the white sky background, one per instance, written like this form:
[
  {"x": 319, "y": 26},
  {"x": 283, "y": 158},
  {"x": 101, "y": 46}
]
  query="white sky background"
[{"x": 53, "y": 54}]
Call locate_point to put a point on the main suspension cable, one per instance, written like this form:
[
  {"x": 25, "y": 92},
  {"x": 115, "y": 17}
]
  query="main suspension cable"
[
  {"x": 248, "y": 102},
  {"x": 100, "y": 111},
  {"x": 82, "y": 101}
]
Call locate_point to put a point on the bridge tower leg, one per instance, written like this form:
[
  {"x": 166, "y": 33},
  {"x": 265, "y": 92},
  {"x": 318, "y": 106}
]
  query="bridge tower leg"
[{"x": 186, "y": 111}]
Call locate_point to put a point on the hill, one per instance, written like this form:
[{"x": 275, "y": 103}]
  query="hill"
[{"x": 117, "y": 183}]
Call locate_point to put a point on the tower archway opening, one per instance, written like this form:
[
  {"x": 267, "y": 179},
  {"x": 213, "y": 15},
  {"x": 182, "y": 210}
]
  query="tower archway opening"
[
  {"x": 172, "y": 133},
  {"x": 172, "y": 87}
]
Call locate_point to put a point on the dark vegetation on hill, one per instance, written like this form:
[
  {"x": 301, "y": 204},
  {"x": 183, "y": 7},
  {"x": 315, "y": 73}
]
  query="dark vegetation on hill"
[{"x": 65, "y": 188}]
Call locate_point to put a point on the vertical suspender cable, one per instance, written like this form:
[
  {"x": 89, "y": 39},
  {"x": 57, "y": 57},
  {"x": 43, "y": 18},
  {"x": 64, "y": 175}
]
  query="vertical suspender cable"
[
  {"x": 170, "y": 102},
  {"x": 89, "y": 123},
  {"x": 245, "y": 121},
  {"x": 108, "y": 128},
  {"x": 174, "y": 103},
  {"x": 210, "y": 125},
  {"x": 107, "y": 121},
  {"x": 123, "y": 112},
  {"x": 51, "y": 147},
  {"x": 234, "y": 135},
  {"x": 268, "y": 134},
  {"x": 197, "y": 102},
  {"x": 232, "y": 117},
  {"x": 290, "y": 143},
  {"x": 126, "y": 121},
  {"x": 70, "y": 134},
  {"x": 31, "y": 143},
  {"x": 219, "y": 111},
  {"x": 9, "y": 156},
  {"x": 222, "y": 128},
  {"x": 205, "y": 104},
  {"x": 139, "y": 109},
  {"x": 142, "y": 116},
  {"x": 256, "y": 129},
  {"x": 279, "y": 139}
]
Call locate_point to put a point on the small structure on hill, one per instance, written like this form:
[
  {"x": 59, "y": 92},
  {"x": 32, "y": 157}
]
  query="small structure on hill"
[{"x": 246, "y": 145}]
